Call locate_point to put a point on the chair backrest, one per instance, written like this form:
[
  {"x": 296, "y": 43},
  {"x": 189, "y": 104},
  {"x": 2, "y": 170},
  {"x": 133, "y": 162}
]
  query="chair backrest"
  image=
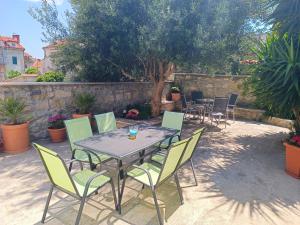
[
  {"x": 56, "y": 169},
  {"x": 106, "y": 122},
  {"x": 78, "y": 129},
  {"x": 196, "y": 95},
  {"x": 172, "y": 159},
  {"x": 173, "y": 120},
  {"x": 191, "y": 147},
  {"x": 220, "y": 104},
  {"x": 232, "y": 99}
]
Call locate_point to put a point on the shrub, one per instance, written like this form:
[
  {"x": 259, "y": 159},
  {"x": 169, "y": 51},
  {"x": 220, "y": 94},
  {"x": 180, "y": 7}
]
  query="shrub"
[
  {"x": 12, "y": 110},
  {"x": 51, "y": 76},
  {"x": 13, "y": 73},
  {"x": 84, "y": 102},
  {"x": 32, "y": 70}
]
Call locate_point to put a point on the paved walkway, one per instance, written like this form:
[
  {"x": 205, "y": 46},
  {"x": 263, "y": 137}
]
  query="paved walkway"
[{"x": 241, "y": 178}]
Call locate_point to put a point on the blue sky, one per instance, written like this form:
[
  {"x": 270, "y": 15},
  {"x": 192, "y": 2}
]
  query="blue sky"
[{"x": 14, "y": 18}]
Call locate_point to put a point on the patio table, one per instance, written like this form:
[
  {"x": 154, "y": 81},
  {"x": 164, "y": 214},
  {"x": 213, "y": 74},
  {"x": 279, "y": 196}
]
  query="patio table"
[
  {"x": 207, "y": 105},
  {"x": 118, "y": 145}
]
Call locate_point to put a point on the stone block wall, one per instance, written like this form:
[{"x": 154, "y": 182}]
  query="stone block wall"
[
  {"x": 212, "y": 86},
  {"x": 44, "y": 99}
]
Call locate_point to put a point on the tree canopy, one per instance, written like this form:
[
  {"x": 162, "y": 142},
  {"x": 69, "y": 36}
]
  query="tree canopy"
[{"x": 146, "y": 39}]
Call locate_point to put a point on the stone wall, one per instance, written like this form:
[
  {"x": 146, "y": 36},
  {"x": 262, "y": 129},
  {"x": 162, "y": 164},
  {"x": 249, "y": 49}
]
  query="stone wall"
[
  {"x": 44, "y": 99},
  {"x": 212, "y": 86}
]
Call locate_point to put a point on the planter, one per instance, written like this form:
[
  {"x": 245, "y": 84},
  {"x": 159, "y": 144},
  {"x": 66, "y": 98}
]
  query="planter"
[
  {"x": 57, "y": 135},
  {"x": 15, "y": 138},
  {"x": 292, "y": 160},
  {"x": 175, "y": 97},
  {"x": 75, "y": 115},
  {"x": 167, "y": 106}
]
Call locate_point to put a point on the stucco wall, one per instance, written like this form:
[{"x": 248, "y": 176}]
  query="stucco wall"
[
  {"x": 20, "y": 60},
  {"x": 44, "y": 99},
  {"x": 212, "y": 86}
]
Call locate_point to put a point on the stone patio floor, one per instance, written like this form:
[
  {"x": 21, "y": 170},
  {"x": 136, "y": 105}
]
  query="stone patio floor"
[{"x": 241, "y": 178}]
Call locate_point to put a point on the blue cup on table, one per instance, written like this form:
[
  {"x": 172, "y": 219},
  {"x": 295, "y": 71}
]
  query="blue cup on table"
[{"x": 133, "y": 130}]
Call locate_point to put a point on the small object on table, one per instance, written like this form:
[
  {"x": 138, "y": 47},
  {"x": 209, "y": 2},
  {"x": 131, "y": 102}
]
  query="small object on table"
[{"x": 133, "y": 130}]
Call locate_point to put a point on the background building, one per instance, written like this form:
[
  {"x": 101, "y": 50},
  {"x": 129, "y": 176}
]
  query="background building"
[{"x": 11, "y": 55}]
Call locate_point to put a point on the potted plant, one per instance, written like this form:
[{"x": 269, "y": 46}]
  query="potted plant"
[
  {"x": 276, "y": 83},
  {"x": 56, "y": 128},
  {"x": 83, "y": 103},
  {"x": 175, "y": 92},
  {"x": 15, "y": 129}
]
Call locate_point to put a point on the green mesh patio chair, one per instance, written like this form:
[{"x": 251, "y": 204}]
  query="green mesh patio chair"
[
  {"x": 79, "y": 129},
  {"x": 80, "y": 185},
  {"x": 106, "y": 122},
  {"x": 188, "y": 154},
  {"x": 173, "y": 120},
  {"x": 152, "y": 175}
]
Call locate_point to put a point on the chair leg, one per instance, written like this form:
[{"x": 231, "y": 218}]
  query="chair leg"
[
  {"x": 193, "y": 169},
  {"x": 233, "y": 115},
  {"x": 80, "y": 211},
  {"x": 114, "y": 193},
  {"x": 160, "y": 220},
  {"x": 178, "y": 188},
  {"x": 47, "y": 204}
]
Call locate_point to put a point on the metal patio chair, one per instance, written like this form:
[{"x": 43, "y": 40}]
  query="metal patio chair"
[
  {"x": 153, "y": 176},
  {"x": 188, "y": 154},
  {"x": 81, "y": 185},
  {"x": 79, "y": 129},
  {"x": 219, "y": 110},
  {"x": 232, "y": 104},
  {"x": 173, "y": 120},
  {"x": 106, "y": 122}
]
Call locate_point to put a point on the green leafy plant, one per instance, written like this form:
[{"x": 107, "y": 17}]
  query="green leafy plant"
[
  {"x": 51, "y": 76},
  {"x": 175, "y": 90},
  {"x": 12, "y": 110},
  {"x": 84, "y": 102},
  {"x": 13, "y": 73},
  {"x": 277, "y": 76},
  {"x": 32, "y": 70}
]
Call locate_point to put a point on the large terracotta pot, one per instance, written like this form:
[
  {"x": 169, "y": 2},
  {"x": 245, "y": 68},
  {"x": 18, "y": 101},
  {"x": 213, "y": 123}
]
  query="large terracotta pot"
[
  {"x": 57, "y": 135},
  {"x": 292, "y": 160},
  {"x": 75, "y": 115},
  {"x": 15, "y": 137},
  {"x": 175, "y": 97}
]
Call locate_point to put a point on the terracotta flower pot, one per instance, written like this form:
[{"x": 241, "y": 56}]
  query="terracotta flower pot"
[
  {"x": 175, "y": 97},
  {"x": 75, "y": 115},
  {"x": 292, "y": 160},
  {"x": 57, "y": 135},
  {"x": 15, "y": 138}
]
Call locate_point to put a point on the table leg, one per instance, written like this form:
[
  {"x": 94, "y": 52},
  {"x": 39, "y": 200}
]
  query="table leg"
[
  {"x": 119, "y": 177},
  {"x": 141, "y": 154}
]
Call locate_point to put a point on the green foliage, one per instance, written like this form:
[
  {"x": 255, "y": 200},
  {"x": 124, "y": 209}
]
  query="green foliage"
[
  {"x": 13, "y": 73},
  {"x": 32, "y": 70},
  {"x": 125, "y": 39},
  {"x": 175, "y": 89},
  {"x": 285, "y": 17},
  {"x": 51, "y": 76},
  {"x": 48, "y": 16},
  {"x": 84, "y": 102},
  {"x": 12, "y": 110},
  {"x": 276, "y": 81}
]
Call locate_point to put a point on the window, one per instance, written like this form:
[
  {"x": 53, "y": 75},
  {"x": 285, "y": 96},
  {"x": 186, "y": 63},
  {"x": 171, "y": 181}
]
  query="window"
[{"x": 14, "y": 60}]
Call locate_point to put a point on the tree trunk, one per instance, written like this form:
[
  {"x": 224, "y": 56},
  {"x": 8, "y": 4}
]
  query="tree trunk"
[
  {"x": 159, "y": 71},
  {"x": 156, "y": 97},
  {"x": 296, "y": 112}
]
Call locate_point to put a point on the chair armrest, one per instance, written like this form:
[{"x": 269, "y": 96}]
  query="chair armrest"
[
  {"x": 89, "y": 153},
  {"x": 148, "y": 174},
  {"x": 88, "y": 183},
  {"x": 76, "y": 160},
  {"x": 170, "y": 140}
]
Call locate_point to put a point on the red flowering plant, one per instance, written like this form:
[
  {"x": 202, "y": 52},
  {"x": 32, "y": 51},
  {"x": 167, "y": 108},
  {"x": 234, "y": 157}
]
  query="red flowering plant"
[{"x": 56, "y": 121}]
